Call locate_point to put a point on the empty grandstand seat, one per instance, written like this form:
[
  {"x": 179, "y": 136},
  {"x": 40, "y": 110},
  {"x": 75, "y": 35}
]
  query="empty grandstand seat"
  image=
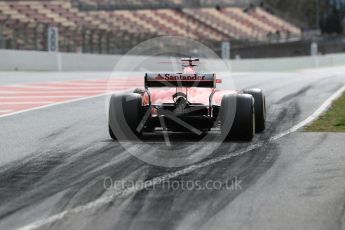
[{"x": 204, "y": 24}]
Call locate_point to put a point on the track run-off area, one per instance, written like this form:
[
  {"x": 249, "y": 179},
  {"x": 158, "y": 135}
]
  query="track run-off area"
[
  {"x": 16, "y": 98},
  {"x": 56, "y": 156}
]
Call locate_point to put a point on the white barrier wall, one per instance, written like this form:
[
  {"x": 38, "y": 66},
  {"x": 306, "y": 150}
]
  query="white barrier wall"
[
  {"x": 284, "y": 64},
  {"x": 43, "y": 61}
]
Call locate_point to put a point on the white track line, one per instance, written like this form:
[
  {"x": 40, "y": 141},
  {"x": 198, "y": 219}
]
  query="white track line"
[
  {"x": 53, "y": 91},
  {"x": 147, "y": 184},
  {"x": 35, "y": 87},
  {"x": 314, "y": 116},
  {"x": 53, "y": 104},
  {"x": 5, "y": 110},
  {"x": 109, "y": 92},
  {"x": 41, "y": 96},
  {"x": 25, "y": 102}
]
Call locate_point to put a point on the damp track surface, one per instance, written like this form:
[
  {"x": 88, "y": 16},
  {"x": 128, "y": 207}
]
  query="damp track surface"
[{"x": 56, "y": 159}]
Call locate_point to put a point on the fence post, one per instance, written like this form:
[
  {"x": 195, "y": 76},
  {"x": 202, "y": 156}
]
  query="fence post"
[
  {"x": 82, "y": 39},
  {"x": 25, "y": 35},
  {"x": 108, "y": 42},
  {"x": 14, "y": 38},
  {"x": 99, "y": 39},
  {"x": 91, "y": 41},
  {"x": 1, "y": 35}
]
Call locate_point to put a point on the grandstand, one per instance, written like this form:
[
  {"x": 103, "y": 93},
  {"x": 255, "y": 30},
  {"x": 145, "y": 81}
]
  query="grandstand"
[{"x": 115, "y": 26}]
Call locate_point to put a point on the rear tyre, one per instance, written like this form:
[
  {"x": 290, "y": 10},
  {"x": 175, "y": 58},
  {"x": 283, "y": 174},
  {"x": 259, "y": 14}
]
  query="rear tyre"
[
  {"x": 124, "y": 116},
  {"x": 139, "y": 91},
  {"x": 243, "y": 126},
  {"x": 111, "y": 134},
  {"x": 260, "y": 108}
]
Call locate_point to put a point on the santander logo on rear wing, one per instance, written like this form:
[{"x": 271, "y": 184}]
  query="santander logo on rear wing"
[{"x": 180, "y": 80}]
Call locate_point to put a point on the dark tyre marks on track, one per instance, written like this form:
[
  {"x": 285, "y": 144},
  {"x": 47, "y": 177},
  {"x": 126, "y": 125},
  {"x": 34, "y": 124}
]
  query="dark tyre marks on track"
[{"x": 160, "y": 207}]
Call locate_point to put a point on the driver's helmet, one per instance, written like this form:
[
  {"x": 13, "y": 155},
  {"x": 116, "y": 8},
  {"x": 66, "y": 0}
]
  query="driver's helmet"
[{"x": 189, "y": 70}]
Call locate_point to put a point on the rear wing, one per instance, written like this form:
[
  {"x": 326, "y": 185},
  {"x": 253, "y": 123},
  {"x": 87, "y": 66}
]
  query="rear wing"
[{"x": 180, "y": 80}]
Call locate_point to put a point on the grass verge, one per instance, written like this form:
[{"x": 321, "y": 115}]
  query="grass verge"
[{"x": 332, "y": 121}]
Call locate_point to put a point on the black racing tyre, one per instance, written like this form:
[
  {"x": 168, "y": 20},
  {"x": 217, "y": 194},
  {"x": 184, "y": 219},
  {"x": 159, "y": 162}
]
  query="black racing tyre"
[
  {"x": 243, "y": 126},
  {"x": 139, "y": 91},
  {"x": 125, "y": 114},
  {"x": 149, "y": 128},
  {"x": 260, "y": 108},
  {"x": 111, "y": 134}
]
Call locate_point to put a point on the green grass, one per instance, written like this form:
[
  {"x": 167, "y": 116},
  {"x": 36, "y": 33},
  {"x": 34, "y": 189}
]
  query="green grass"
[{"x": 333, "y": 120}]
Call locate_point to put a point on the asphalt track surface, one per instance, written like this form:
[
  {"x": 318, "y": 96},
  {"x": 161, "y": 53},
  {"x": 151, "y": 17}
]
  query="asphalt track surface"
[{"x": 54, "y": 162}]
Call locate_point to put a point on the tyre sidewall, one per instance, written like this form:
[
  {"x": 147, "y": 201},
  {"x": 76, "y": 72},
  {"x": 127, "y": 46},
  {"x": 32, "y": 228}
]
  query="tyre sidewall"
[
  {"x": 125, "y": 115},
  {"x": 260, "y": 108}
]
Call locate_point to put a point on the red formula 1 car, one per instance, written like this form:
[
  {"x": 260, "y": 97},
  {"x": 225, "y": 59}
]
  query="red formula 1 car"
[{"x": 187, "y": 102}]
